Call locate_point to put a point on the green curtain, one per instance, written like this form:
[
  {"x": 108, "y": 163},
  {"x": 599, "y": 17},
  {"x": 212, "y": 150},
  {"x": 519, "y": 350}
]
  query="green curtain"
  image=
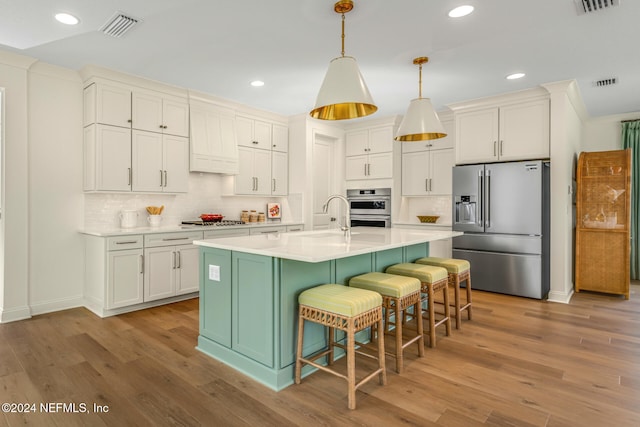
[{"x": 631, "y": 139}]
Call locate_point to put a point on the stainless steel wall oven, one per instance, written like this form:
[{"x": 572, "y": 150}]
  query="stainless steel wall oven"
[{"x": 370, "y": 207}]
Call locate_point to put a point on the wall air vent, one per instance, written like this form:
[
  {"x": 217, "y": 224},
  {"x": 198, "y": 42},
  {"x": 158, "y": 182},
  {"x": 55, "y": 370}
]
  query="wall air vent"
[
  {"x": 606, "y": 82},
  {"x": 118, "y": 25},
  {"x": 589, "y": 6}
]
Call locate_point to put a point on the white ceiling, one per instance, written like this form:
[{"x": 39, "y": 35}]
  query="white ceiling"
[{"x": 218, "y": 47}]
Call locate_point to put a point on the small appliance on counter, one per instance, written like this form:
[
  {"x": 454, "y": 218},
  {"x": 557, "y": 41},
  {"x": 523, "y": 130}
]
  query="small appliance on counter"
[{"x": 128, "y": 218}]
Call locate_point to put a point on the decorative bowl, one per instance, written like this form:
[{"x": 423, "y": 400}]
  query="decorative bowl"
[
  {"x": 428, "y": 219},
  {"x": 211, "y": 217}
]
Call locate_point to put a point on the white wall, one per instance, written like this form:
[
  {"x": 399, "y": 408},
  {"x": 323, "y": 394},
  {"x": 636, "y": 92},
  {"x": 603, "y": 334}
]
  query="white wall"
[
  {"x": 56, "y": 249},
  {"x": 605, "y": 133}
]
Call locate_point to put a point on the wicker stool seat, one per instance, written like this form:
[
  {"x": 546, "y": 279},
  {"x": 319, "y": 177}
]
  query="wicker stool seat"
[
  {"x": 459, "y": 271},
  {"x": 398, "y": 293},
  {"x": 347, "y": 309},
  {"x": 433, "y": 279}
]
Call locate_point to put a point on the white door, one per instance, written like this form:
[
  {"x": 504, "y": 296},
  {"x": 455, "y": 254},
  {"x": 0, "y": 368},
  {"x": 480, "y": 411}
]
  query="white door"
[
  {"x": 125, "y": 278},
  {"x": 415, "y": 173},
  {"x": 477, "y": 136},
  {"x": 113, "y": 105},
  {"x": 159, "y": 273},
  {"x": 146, "y": 111},
  {"x": 146, "y": 152},
  {"x": 245, "y": 182},
  {"x": 176, "y": 164},
  {"x": 187, "y": 272},
  {"x": 441, "y": 164},
  {"x": 279, "y": 174},
  {"x": 113, "y": 158},
  {"x": 323, "y": 180},
  {"x": 175, "y": 117},
  {"x": 262, "y": 171}
]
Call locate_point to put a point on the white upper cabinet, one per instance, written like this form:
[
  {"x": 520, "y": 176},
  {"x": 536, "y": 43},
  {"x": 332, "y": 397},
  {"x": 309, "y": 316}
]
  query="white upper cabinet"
[
  {"x": 279, "y": 173},
  {"x": 160, "y": 162},
  {"x": 107, "y": 158},
  {"x": 156, "y": 112},
  {"x": 517, "y": 131},
  {"x": 108, "y": 104},
  {"x": 369, "y": 153},
  {"x": 214, "y": 145},
  {"x": 253, "y": 133},
  {"x": 426, "y": 165},
  {"x": 254, "y": 177},
  {"x": 280, "y": 138}
]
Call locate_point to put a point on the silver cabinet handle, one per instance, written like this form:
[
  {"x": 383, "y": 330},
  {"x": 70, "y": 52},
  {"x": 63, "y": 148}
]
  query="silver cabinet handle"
[
  {"x": 480, "y": 202},
  {"x": 160, "y": 177},
  {"x": 494, "y": 148},
  {"x": 128, "y": 242},
  {"x": 430, "y": 188},
  {"x": 426, "y": 184},
  {"x": 488, "y": 215},
  {"x": 170, "y": 239},
  {"x": 141, "y": 264},
  {"x": 178, "y": 257},
  {"x": 161, "y": 127},
  {"x": 255, "y": 142},
  {"x": 501, "y": 143},
  {"x": 129, "y": 177},
  {"x": 257, "y": 183},
  {"x": 165, "y": 178},
  {"x": 174, "y": 260},
  {"x": 365, "y": 169},
  {"x": 269, "y": 232},
  {"x": 274, "y": 184}
]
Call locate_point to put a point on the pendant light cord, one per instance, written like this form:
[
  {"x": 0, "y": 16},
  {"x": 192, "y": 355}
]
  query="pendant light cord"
[
  {"x": 420, "y": 81},
  {"x": 343, "y": 34}
]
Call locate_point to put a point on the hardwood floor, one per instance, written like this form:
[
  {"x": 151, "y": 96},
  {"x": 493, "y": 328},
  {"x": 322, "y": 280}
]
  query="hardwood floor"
[{"x": 519, "y": 362}]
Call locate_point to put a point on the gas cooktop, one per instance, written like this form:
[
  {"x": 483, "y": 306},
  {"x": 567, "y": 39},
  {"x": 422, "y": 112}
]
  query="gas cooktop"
[{"x": 223, "y": 223}]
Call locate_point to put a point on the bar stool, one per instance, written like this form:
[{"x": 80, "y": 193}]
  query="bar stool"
[
  {"x": 398, "y": 294},
  {"x": 459, "y": 270},
  {"x": 433, "y": 279},
  {"x": 347, "y": 309}
]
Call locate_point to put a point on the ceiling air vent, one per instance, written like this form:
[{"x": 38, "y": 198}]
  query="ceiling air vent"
[
  {"x": 606, "y": 82},
  {"x": 118, "y": 25},
  {"x": 589, "y": 6}
]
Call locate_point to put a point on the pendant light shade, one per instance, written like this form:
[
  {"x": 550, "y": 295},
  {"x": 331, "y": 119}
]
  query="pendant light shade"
[
  {"x": 343, "y": 94},
  {"x": 421, "y": 122}
]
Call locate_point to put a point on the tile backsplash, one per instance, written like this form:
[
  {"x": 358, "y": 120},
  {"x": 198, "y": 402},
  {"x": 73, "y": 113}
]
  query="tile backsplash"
[
  {"x": 411, "y": 207},
  {"x": 101, "y": 210}
]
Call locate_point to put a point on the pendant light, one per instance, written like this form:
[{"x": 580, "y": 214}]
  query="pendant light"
[
  {"x": 343, "y": 94},
  {"x": 421, "y": 121}
]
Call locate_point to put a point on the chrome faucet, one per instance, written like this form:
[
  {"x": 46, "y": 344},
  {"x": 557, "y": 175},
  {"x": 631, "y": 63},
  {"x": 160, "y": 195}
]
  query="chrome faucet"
[{"x": 347, "y": 226}]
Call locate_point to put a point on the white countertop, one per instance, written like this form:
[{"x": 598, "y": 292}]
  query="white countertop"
[
  {"x": 117, "y": 231},
  {"x": 325, "y": 245}
]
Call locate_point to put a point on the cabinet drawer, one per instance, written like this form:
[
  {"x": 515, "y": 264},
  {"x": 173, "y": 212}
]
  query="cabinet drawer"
[
  {"x": 171, "y": 239},
  {"x": 268, "y": 230},
  {"x": 124, "y": 242},
  {"x": 292, "y": 228},
  {"x": 217, "y": 234}
]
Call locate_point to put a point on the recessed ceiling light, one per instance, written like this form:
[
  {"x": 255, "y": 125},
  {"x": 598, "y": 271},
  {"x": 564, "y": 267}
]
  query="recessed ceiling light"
[
  {"x": 66, "y": 18},
  {"x": 461, "y": 11},
  {"x": 257, "y": 83},
  {"x": 515, "y": 76}
]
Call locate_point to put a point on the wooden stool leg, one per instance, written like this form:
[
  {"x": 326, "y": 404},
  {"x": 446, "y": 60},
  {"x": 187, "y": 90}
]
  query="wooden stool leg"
[
  {"x": 332, "y": 340},
  {"x": 399, "y": 353},
  {"x": 351, "y": 367},
  {"x": 432, "y": 316},
  {"x": 469, "y": 296},
  {"x": 299, "y": 350},
  {"x": 447, "y": 309},
  {"x": 456, "y": 290},
  {"x": 381, "y": 357},
  {"x": 420, "y": 342}
]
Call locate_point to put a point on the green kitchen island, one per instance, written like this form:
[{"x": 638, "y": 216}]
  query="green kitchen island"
[{"x": 249, "y": 289}]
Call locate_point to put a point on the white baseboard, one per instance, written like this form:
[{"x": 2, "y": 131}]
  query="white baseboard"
[
  {"x": 56, "y": 305},
  {"x": 560, "y": 297},
  {"x": 14, "y": 314}
]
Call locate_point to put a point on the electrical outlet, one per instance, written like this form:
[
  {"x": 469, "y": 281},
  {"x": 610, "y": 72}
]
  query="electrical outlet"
[{"x": 214, "y": 273}]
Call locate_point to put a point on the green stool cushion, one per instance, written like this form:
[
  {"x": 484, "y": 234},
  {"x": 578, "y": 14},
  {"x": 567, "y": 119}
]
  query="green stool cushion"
[
  {"x": 340, "y": 299},
  {"x": 424, "y": 273},
  {"x": 453, "y": 266},
  {"x": 389, "y": 285}
]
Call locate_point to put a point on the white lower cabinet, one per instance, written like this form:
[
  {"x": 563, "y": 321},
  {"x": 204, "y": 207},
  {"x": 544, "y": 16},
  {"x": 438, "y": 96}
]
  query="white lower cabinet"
[
  {"x": 171, "y": 265},
  {"x": 125, "y": 278}
]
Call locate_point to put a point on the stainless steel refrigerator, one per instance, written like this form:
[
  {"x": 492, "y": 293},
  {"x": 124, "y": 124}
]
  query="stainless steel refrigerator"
[{"x": 503, "y": 210}]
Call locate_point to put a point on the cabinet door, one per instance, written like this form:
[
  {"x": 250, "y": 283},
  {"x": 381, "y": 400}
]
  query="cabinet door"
[
  {"x": 356, "y": 167},
  {"x": 175, "y": 117},
  {"x": 125, "y": 278},
  {"x": 245, "y": 182},
  {"x": 252, "y": 306},
  {"x": 113, "y": 105},
  {"x": 112, "y": 158},
  {"x": 187, "y": 273},
  {"x": 447, "y": 141},
  {"x": 147, "y": 165},
  {"x": 244, "y": 127},
  {"x": 380, "y": 166},
  {"x": 477, "y": 136},
  {"x": 176, "y": 164},
  {"x": 262, "y": 171},
  {"x": 146, "y": 111},
  {"x": 356, "y": 143},
  {"x": 280, "y": 138},
  {"x": 159, "y": 273},
  {"x": 524, "y": 131},
  {"x": 262, "y": 135},
  {"x": 441, "y": 164},
  {"x": 279, "y": 173},
  {"x": 415, "y": 173},
  {"x": 381, "y": 140}
]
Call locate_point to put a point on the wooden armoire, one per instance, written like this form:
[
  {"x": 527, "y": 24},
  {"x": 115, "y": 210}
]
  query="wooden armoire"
[{"x": 603, "y": 222}]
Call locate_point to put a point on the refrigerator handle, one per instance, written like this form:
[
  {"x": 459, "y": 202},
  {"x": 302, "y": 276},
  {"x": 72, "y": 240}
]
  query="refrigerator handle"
[
  {"x": 488, "y": 222},
  {"x": 480, "y": 204}
]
